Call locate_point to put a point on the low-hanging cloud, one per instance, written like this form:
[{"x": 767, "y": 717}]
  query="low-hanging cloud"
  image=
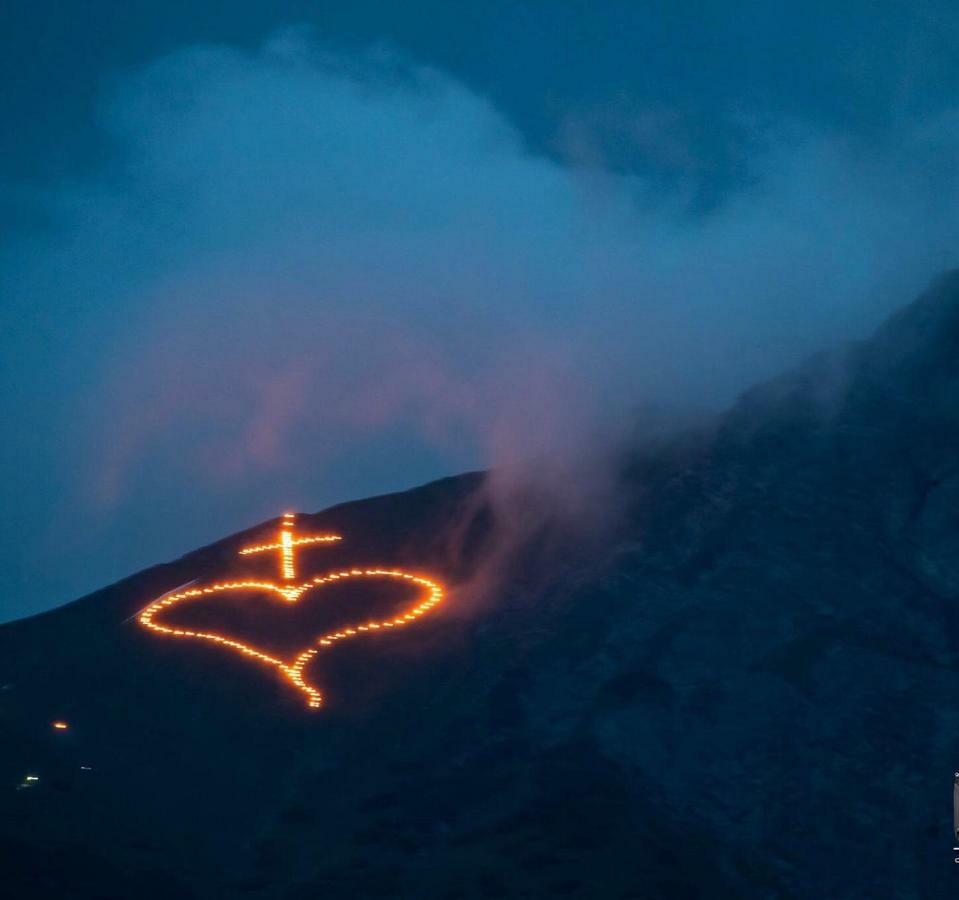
[{"x": 303, "y": 278}]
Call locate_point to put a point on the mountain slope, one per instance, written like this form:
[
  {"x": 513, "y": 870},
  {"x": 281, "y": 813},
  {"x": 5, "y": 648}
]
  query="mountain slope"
[{"x": 746, "y": 693}]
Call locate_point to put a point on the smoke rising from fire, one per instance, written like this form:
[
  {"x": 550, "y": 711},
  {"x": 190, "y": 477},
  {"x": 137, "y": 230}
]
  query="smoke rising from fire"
[{"x": 304, "y": 279}]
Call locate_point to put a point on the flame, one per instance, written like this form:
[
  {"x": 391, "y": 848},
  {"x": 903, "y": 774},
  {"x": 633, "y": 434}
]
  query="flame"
[
  {"x": 293, "y": 670},
  {"x": 286, "y": 542}
]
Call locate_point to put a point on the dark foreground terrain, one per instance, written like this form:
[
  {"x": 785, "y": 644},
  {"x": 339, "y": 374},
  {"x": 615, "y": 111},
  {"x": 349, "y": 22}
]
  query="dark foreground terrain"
[{"x": 747, "y": 690}]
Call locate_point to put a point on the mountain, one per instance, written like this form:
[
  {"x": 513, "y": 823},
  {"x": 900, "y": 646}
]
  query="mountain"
[{"x": 744, "y": 690}]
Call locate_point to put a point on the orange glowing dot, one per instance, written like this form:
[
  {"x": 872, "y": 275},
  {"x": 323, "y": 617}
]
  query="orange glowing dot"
[{"x": 61, "y": 726}]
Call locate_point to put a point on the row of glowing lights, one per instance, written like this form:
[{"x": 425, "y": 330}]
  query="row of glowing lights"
[
  {"x": 294, "y": 671},
  {"x": 286, "y": 543},
  {"x": 434, "y": 596}
]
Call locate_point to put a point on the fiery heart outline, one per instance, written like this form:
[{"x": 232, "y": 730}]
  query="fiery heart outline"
[
  {"x": 285, "y": 545},
  {"x": 293, "y": 670}
]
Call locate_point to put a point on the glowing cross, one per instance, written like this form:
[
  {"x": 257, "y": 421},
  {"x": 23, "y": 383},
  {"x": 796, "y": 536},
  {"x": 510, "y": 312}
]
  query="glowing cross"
[{"x": 286, "y": 542}]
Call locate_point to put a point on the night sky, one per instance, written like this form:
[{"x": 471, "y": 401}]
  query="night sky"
[{"x": 258, "y": 256}]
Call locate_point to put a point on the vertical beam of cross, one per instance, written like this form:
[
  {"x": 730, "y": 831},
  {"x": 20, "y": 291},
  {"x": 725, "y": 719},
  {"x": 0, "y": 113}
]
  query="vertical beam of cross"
[{"x": 286, "y": 542}]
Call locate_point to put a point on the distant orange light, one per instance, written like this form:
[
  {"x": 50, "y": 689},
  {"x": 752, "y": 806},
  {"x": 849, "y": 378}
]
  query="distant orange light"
[
  {"x": 61, "y": 726},
  {"x": 292, "y": 669}
]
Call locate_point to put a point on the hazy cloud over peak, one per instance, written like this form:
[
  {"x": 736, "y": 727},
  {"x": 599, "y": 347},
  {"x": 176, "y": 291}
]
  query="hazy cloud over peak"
[{"x": 305, "y": 277}]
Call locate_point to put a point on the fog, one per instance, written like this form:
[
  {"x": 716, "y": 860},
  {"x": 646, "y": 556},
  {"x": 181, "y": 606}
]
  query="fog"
[{"x": 303, "y": 278}]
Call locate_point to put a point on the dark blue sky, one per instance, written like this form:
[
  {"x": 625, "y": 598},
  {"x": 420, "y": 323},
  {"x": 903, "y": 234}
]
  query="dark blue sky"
[
  {"x": 861, "y": 66},
  {"x": 267, "y": 254}
]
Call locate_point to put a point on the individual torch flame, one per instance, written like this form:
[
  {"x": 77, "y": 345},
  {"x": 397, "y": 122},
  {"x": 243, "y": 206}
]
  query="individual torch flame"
[{"x": 293, "y": 669}]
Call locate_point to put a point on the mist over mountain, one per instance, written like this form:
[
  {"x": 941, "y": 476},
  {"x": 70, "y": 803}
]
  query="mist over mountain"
[
  {"x": 740, "y": 687},
  {"x": 300, "y": 272}
]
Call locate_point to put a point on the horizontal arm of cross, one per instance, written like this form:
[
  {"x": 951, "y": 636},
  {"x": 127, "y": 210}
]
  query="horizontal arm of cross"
[{"x": 294, "y": 542}]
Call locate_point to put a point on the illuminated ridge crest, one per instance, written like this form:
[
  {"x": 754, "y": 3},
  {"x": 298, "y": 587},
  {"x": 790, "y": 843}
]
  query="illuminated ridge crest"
[{"x": 286, "y": 544}]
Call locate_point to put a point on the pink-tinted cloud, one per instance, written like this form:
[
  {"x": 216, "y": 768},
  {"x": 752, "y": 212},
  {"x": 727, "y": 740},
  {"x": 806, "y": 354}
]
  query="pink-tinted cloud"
[{"x": 300, "y": 281}]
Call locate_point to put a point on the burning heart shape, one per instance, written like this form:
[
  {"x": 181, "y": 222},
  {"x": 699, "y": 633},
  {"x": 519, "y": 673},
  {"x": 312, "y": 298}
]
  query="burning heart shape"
[{"x": 293, "y": 669}]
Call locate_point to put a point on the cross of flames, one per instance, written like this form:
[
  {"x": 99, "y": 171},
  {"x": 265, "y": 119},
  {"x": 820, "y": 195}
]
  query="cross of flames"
[
  {"x": 291, "y": 592},
  {"x": 286, "y": 543}
]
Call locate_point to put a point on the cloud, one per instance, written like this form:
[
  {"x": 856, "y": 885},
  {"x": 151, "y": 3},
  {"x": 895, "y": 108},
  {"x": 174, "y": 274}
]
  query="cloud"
[{"x": 304, "y": 278}]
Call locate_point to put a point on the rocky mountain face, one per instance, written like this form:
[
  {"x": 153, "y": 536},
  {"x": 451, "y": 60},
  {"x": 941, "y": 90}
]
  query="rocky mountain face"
[{"x": 743, "y": 691}]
